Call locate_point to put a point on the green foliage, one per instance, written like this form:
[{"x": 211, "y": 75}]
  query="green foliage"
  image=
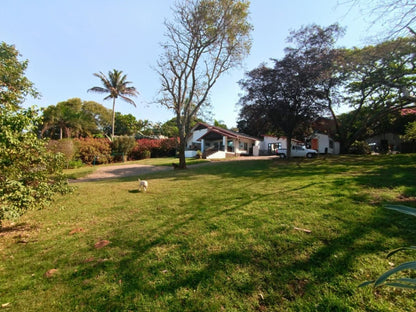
[
  {"x": 125, "y": 124},
  {"x": 359, "y": 148},
  {"x": 401, "y": 282},
  {"x": 90, "y": 150},
  {"x": 75, "y": 118},
  {"x": 123, "y": 145},
  {"x": 29, "y": 174},
  {"x": 379, "y": 83},
  {"x": 410, "y": 132},
  {"x": 14, "y": 86}
]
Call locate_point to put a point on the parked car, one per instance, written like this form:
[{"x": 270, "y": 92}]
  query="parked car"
[{"x": 297, "y": 151}]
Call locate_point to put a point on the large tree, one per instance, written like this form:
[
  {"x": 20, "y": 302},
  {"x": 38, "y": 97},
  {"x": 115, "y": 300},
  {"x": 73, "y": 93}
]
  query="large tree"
[
  {"x": 205, "y": 39},
  {"x": 29, "y": 174},
  {"x": 379, "y": 80},
  {"x": 115, "y": 85},
  {"x": 284, "y": 99},
  {"x": 14, "y": 85}
]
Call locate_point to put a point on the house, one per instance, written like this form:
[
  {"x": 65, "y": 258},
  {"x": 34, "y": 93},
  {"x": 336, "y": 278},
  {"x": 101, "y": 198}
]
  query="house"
[
  {"x": 386, "y": 142},
  {"x": 270, "y": 144},
  {"x": 323, "y": 143},
  {"x": 215, "y": 142}
]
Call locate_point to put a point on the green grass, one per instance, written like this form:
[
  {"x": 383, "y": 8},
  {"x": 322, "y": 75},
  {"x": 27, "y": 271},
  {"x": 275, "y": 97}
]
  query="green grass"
[{"x": 219, "y": 237}]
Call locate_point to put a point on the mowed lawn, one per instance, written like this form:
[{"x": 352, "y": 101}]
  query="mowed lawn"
[{"x": 227, "y": 236}]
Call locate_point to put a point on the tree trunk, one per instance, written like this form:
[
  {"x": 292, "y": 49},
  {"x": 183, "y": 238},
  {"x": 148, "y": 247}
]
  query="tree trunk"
[
  {"x": 182, "y": 148},
  {"x": 114, "y": 117},
  {"x": 289, "y": 146}
]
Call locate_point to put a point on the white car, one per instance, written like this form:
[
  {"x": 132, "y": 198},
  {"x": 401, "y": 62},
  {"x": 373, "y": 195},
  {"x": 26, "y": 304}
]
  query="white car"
[{"x": 297, "y": 151}]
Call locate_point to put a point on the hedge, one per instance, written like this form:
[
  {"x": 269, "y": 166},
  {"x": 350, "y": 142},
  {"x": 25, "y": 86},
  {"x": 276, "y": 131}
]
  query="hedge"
[{"x": 157, "y": 148}]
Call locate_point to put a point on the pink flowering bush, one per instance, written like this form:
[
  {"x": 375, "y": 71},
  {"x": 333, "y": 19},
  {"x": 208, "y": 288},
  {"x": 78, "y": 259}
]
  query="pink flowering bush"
[{"x": 147, "y": 148}]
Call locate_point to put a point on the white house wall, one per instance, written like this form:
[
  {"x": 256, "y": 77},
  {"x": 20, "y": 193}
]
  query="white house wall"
[
  {"x": 323, "y": 144},
  {"x": 239, "y": 146},
  {"x": 267, "y": 139},
  {"x": 195, "y": 136}
]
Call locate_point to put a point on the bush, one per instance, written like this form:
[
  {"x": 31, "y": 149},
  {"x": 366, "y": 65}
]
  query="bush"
[
  {"x": 359, "y": 148},
  {"x": 97, "y": 151},
  {"x": 122, "y": 146},
  {"x": 30, "y": 175},
  {"x": 147, "y": 148},
  {"x": 66, "y": 147},
  {"x": 73, "y": 164}
]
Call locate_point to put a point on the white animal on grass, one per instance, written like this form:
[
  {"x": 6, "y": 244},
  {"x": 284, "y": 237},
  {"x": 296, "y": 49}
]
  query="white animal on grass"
[{"x": 143, "y": 185}]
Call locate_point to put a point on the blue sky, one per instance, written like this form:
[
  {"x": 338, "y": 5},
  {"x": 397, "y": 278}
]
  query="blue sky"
[{"x": 66, "y": 41}]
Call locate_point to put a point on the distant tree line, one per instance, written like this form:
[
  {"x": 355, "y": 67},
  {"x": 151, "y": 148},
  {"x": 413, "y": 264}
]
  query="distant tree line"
[{"x": 75, "y": 118}]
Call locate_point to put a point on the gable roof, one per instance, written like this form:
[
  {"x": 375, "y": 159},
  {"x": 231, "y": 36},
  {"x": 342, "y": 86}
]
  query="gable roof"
[{"x": 221, "y": 131}]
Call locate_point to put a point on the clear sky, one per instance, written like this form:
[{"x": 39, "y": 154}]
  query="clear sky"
[{"x": 66, "y": 41}]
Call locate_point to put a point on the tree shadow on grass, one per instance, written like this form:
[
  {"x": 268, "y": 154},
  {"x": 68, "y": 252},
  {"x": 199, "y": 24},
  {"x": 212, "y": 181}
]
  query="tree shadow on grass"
[
  {"x": 281, "y": 273},
  {"x": 295, "y": 265},
  {"x": 211, "y": 272}
]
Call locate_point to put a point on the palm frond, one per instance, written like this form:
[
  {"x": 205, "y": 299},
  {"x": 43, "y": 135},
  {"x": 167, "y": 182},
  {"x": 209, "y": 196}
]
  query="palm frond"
[
  {"x": 128, "y": 100},
  {"x": 98, "y": 90}
]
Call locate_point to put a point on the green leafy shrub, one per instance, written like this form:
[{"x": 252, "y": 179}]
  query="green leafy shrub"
[
  {"x": 66, "y": 147},
  {"x": 359, "y": 148},
  {"x": 29, "y": 174},
  {"x": 73, "y": 164},
  {"x": 92, "y": 150},
  {"x": 410, "y": 132},
  {"x": 122, "y": 146}
]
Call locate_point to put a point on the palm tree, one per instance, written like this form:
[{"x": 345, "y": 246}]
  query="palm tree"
[{"x": 117, "y": 86}]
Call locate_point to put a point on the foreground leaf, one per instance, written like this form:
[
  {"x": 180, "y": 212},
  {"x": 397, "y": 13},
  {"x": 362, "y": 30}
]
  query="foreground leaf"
[
  {"x": 403, "y": 209},
  {"x": 400, "y": 249},
  {"x": 401, "y": 267}
]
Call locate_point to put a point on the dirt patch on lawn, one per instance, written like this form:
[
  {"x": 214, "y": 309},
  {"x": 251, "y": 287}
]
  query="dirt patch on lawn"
[{"x": 119, "y": 171}]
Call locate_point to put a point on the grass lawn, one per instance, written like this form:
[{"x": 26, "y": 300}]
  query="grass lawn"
[{"x": 221, "y": 237}]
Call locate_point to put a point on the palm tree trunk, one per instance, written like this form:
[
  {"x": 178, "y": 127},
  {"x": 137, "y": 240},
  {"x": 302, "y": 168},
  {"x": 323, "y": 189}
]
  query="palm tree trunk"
[{"x": 114, "y": 117}]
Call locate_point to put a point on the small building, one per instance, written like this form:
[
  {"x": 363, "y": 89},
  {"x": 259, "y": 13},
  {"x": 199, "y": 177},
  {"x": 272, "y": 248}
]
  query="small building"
[
  {"x": 386, "y": 142},
  {"x": 215, "y": 142},
  {"x": 323, "y": 143},
  {"x": 270, "y": 144}
]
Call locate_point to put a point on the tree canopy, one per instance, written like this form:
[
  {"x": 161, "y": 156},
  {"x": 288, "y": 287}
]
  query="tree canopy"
[
  {"x": 14, "y": 85},
  {"x": 75, "y": 118},
  {"x": 284, "y": 99},
  {"x": 378, "y": 81}
]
